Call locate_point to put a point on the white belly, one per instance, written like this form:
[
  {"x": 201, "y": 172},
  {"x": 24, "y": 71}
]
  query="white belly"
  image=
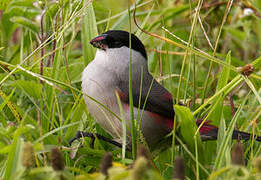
[{"x": 98, "y": 84}]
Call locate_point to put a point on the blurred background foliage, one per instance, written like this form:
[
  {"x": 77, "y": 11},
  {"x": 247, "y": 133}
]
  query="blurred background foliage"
[{"x": 44, "y": 48}]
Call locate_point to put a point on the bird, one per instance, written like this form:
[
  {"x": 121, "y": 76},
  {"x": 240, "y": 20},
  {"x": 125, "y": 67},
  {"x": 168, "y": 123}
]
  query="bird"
[{"x": 107, "y": 76}]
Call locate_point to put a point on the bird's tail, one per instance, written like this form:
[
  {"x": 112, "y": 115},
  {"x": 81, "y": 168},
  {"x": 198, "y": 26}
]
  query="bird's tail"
[
  {"x": 210, "y": 132},
  {"x": 244, "y": 136}
]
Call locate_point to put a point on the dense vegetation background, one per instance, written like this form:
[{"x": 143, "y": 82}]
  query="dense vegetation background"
[{"x": 206, "y": 53}]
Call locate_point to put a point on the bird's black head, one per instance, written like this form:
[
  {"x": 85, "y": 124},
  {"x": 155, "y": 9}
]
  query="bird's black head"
[{"x": 117, "y": 39}]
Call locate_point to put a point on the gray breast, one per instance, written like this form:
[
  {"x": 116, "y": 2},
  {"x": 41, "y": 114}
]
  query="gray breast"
[{"x": 99, "y": 82}]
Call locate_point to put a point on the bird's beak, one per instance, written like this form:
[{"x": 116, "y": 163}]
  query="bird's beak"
[{"x": 99, "y": 42}]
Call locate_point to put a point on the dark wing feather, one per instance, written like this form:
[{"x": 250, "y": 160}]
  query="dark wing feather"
[{"x": 159, "y": 100}]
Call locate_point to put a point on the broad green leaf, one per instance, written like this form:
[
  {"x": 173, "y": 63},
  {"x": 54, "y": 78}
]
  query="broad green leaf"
[
  {"x": 217, "y": 111},
  {"x": 89, "y": 31},
  {"x": 224, "y": 76},
  {"x": 27, "y": 23},
  {"x": 32, "y": 88},
  {"x": 75, "y": 72},
  {"x": 14, "y": 155},
  {"x": 23, "y": 3},
  {"x": 4, "y": 4},
  {"x": 187, "y": 125},
  {"x": 217, "y": 115},
  {"x": 21, "y": 11},
  {"x": 169, "y": 13},
  {"x": 236, "y": 33}
]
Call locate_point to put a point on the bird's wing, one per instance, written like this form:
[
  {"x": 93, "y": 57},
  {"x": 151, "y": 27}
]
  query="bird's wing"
[{"x": 159, "y": 100}]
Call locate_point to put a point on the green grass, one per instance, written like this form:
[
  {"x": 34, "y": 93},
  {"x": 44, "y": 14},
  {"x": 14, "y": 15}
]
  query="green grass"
[{"x": 198, "y": 55}]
